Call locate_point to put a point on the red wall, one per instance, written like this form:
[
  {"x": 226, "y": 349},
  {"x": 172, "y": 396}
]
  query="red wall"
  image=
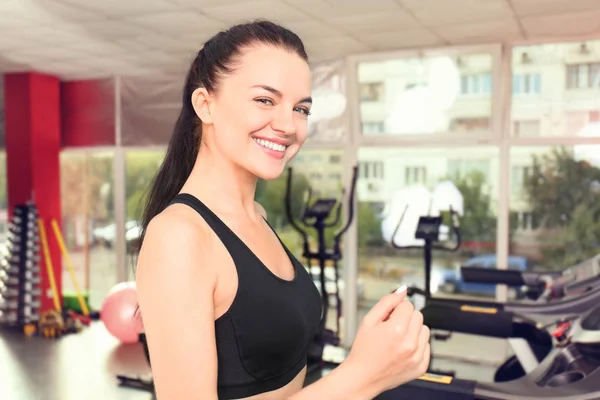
[
  {"x": 32, "y": 112},
  {"x": 88, "y": 113},
  {"x": 42, "y": 115}
]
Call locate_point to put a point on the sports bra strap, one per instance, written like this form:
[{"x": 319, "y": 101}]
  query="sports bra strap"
[{"x": 231, "y": 241}]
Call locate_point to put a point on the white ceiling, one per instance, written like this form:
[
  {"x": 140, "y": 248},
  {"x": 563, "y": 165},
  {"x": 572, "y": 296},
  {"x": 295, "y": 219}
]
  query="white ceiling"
[{"x": 77, "y": 39}]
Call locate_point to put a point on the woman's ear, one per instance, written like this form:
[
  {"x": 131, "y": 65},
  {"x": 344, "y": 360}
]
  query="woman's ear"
[{"x": 201, "y": 102}]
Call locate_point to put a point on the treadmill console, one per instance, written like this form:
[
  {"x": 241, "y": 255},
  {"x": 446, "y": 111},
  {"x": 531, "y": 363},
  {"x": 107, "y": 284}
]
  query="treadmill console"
[
  {"x": 428, "y": 228},
  {"x": 320, "y": 209}
]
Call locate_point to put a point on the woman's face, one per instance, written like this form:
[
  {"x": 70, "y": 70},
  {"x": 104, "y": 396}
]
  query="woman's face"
[{"x": 259, "y": 112}]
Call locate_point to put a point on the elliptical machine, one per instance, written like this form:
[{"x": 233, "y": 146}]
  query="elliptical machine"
[{"x": 316, "y": 214}]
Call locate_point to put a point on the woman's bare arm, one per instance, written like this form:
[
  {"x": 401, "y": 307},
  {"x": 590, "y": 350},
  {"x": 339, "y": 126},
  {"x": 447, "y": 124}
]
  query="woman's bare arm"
[
  {"x": 175, "y": 285},
  {"x": 343, "y": 383}
]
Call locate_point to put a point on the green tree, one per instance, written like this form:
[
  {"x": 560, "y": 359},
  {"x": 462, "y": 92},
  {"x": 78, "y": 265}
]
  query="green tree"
[
  {"x": 369, "y": 225},
  {"x": 478, "y": 224},
  {"x": 141, "y": 168},
  {"x": 560, "y": 191}
]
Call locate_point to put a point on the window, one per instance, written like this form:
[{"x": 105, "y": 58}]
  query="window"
[
  {"x": 470, "y": 124},
  {"x": 474, "y": 84},
  {"x": 566, "y": 105},
  {"x": 464, "y": 168},
  {"x": 316, "y": 158},
  {"x": 558, "y": 208},
  {"x": 519, "y": 177},
  {"x": 372, "y": 127},
  {"x": 372, "y": 91},
  {"x": 526, "y": 128},
  {"x": 410, "y": 84},
  {"x": 335, "y": 159},
  {"x": 315, "y": 176},
  {"x": 583, "y": 76},
  {"x": 371, "y": 169},
  {"x": 380, "y": 208},
  {"x": 88, "y": 221},
  {"x": 335, "y": 176},
  {"x": 527, "y": 83},
  {"x": 415, "y": 175}
]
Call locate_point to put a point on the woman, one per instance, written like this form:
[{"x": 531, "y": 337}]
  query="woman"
[{"x": 228, "y": 312}]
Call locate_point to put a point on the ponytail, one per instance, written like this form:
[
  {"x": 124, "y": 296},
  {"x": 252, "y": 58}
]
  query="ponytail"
[{"x": 179, "y": 160}]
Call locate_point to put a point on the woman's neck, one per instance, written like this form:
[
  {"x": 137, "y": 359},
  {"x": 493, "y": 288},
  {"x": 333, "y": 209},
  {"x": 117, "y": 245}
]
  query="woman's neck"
[{"x": 221, "y": 184}]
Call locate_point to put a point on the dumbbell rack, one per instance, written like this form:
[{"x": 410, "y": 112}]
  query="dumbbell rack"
[{"x": 20, "y": 270}]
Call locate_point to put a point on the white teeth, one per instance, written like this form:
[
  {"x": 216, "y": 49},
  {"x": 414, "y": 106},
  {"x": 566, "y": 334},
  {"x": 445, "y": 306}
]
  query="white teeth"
[{"x": 270, "y": 145}]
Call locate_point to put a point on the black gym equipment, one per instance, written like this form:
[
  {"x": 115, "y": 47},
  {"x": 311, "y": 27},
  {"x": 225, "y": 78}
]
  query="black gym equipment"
[
  {"x": 428, "y": 230},
  {"x": 317, "y": 215},
  {"x": 563, "y": 297},
  {"x": 570, "y": 372}
]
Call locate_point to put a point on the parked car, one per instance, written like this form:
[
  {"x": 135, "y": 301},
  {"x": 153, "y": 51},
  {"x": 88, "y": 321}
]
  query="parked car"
[{"x": 452, "y": 281}]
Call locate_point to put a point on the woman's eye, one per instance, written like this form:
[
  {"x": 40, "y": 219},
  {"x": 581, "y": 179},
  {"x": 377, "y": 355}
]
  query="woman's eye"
[
  {"x": 302, "y": 110},
  {"x": 265, "y": 101}
]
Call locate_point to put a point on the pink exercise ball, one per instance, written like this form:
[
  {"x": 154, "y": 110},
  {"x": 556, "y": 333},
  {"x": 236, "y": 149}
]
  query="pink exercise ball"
[{"x": 118, "y": 313}]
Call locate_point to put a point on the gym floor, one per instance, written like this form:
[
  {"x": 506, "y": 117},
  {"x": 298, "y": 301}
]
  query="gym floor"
[{"x": 84, "y": 365}]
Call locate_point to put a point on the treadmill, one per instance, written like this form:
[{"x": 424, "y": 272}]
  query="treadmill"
[
  {"x": 524, "y": 324},
  {"x": 570, "y": 372}
]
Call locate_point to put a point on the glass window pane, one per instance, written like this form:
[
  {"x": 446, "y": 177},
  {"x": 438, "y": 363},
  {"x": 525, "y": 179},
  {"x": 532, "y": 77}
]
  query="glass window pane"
[
  {"x": 426, "y": 95},
  {"x": 88, "y": 222},
  {"x": 140, "y": 168},
  {"x": 381, "y": 202},
  {"x": 554, "y": 204},
  {"x": 556, "y": 85}
]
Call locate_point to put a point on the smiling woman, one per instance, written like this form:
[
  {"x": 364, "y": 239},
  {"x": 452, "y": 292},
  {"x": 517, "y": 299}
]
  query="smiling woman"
[{"x": 247, "y": 308}]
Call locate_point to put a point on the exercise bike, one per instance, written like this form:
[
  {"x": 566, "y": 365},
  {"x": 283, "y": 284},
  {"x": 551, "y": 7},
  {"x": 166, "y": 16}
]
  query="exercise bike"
[
  {"x": 317, "y": 215},
  {"x": 570, "y": 372}
]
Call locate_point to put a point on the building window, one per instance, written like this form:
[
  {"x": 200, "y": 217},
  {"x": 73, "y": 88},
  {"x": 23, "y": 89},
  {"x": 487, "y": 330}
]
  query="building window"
[
  {"x": 519, "y": 176},
  {"x": 371, "y": 91},
  {"x": 335, "y": 176},
  {"x": 473, "y": 84},
  {"x": 527, "y": 84},
  {"x": 314, "y": 176},
  {"x": 470, "y": 124},
  {"x": 415, "y": 175},
  {"x": 583, "y": 76},
  {"x": 372, "y": 127},
  {"x": 526, "y": 128},
  {"x": 462, "y": 168},
  {"x": 335, "y": 159},
  {"x": 371, "y": 170}
]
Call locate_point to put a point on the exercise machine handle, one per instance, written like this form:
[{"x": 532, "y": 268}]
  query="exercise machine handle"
[
  {"x": 343, "y": 230},
  {"x": 484, "y": 321},
  {"x": 492, "y": 276},
  {"x": 288, "y": 210}
]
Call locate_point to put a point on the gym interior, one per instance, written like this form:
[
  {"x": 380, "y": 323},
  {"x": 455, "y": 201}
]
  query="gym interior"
[{"x": 454, "y": 147}]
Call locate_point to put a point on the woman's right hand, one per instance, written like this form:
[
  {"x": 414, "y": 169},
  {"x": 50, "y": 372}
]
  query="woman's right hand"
[{"x": 392, "y": 344}]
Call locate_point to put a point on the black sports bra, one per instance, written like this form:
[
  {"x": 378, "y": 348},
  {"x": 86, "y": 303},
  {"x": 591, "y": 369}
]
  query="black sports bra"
[{"x": 263, "y": 339}]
